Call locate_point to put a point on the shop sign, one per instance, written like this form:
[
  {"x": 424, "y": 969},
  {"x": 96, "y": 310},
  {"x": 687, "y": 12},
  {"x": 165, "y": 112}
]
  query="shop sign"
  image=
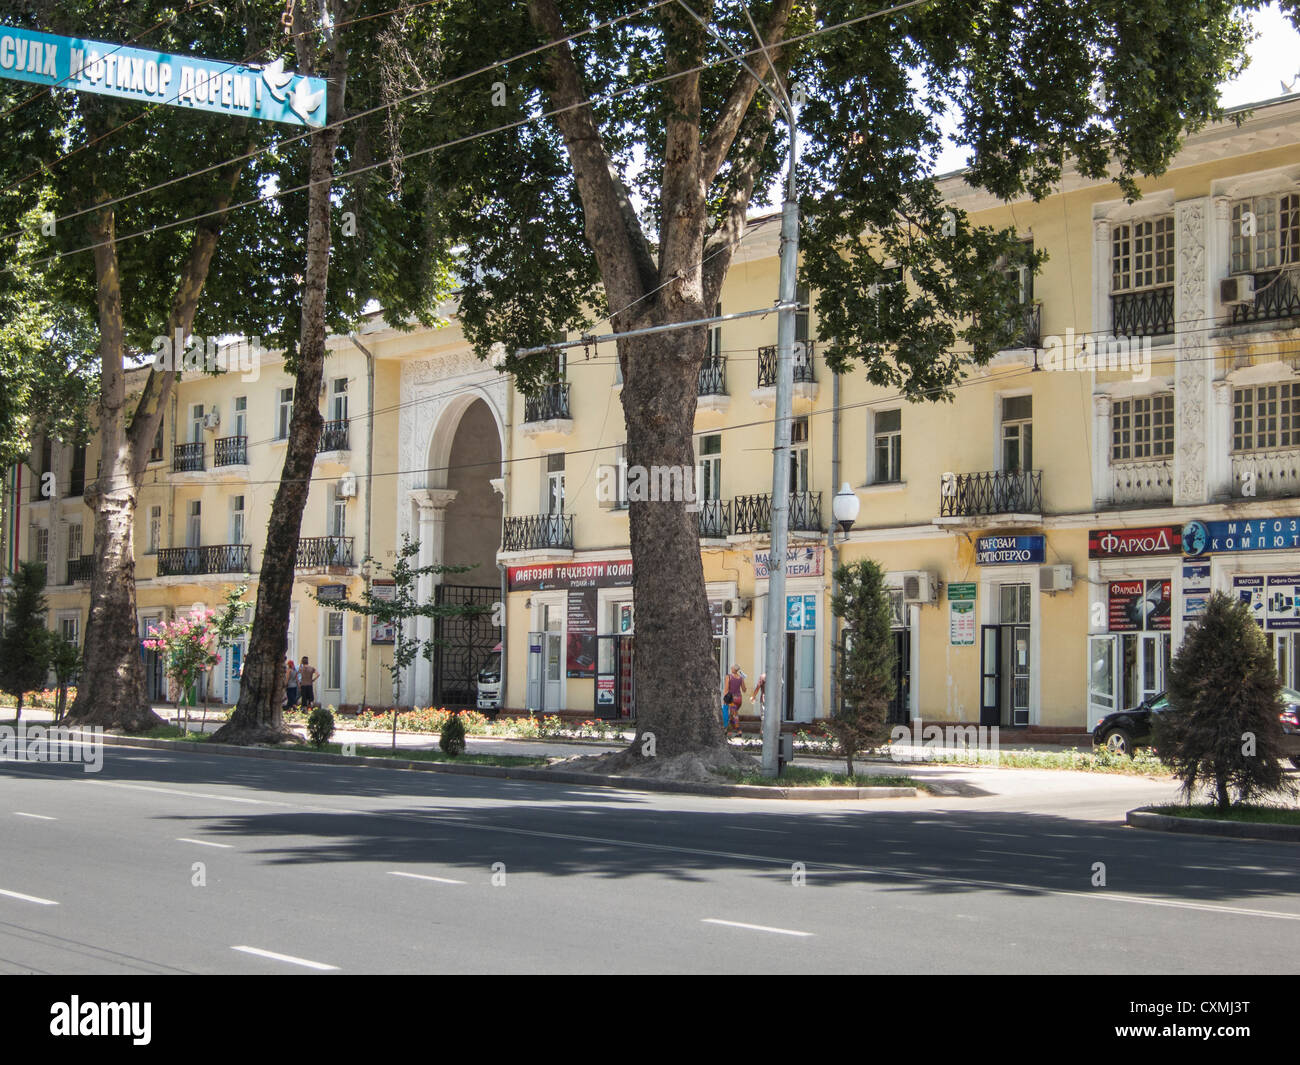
[
  {"x": 799, "y": 562},
  {"x": 1009, "y": 550},
  {"x": 1139, "y": 606},
  {"x": 1196, "y": 589},
  {"x": 332, "y": 592},
  {"x": 961, "y": 590},
  {"x": 1263, "y": 534},
  {"x": 616, "y": 573},
  {"x": 605, "y": 690},
  {"x": 580, "y": 657},
  {"x": 1271, "y": 599},
  {"x": 1135, "y": 543},
  {"x": 961, "y": 621},
  {"x": 384, "y": 591}
]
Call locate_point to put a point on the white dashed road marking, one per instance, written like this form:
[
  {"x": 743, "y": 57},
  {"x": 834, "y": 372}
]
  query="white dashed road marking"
[
  {"x": 27, "y": 898},
  {"x": 422, "y": 876},
  {"x": 754, "y": 927},
  {"x": 288, "y": 958}
]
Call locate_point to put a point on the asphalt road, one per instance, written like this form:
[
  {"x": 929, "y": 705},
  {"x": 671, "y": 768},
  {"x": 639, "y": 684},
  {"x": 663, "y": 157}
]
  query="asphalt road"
[{"x": 189, "y": 863}]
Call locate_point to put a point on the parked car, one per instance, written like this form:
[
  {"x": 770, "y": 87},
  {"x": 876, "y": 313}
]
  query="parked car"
[
  {"x": 1126, "y": 729},
  {"x": 488, "y": 687}
]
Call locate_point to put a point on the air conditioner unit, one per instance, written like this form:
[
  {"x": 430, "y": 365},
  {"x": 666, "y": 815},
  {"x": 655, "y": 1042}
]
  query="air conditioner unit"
[
  {"x": 920, "y": 587},
  {"x": 212, "y": 419},
  {"x": 1240, "y": 288},
  {"x": 735, "y": 608},
  {"x": 347, "y": 486},
  {"x": 1055, "y": 578}
]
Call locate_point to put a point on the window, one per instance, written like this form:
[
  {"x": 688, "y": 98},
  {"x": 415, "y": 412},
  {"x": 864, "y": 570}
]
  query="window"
[
  {"x": 196, "y": 424},
  {"x": 1142, "y": 428},
  {"x": 194, "y": 524},
  {"x": 555, "y": 483},
  {"x": 77, "y": 475},
  {"x": 284, "y": 412},
  {"x": 1022, "y": 276},
  {"x": 1142, "y": 254},
  {"x": 70, "y": 629},
  {"x": 338, "y": 516},
  {"x": 1266, "y": 417},
  {"x": 1017, "y": 433},
  {"x": 46, "y": 466},
  {"x": 236, "y": 519},
  {"x": 1013, "y": 604},
  {"x": 799, "y": 455},
  {"x": 339, "y": 399},
  {"x": 710, "y": 460},
  {"x": 74, "y": 541},
  {"x": 155, "y": 529},
  {"x": 40, "y": 544},
  {"x": 156, "y": 452},
  {"x": 620, "y": 475},
  {"x": 1265, "y": 233},
  {"x": 240, "y": 428},
  {"x": 715, "y": 337},
  {"x": 888, "y": 446},
  {"x": 334, "y": 651},
  {"x": 801, "y": 315}
]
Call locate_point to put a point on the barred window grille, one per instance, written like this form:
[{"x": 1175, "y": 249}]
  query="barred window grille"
[
  {"x": 1266, "y": 417},
  {"x": 1142, "y": 428}
]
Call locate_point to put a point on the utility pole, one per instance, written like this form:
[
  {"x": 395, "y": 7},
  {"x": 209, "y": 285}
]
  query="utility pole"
[{"x": 774, "y": 658}]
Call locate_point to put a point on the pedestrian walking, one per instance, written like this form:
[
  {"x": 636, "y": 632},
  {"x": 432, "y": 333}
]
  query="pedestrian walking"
[
  {"x": 307, "y": 674},
  {"x": 759, "y": 696},
  {"x": 736, "y": 689},
  {"x": 290, "y": 684}
]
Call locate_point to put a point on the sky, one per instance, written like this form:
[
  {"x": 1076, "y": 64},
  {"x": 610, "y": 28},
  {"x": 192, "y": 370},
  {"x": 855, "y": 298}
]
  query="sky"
[{"x": 1274, "y": 58}]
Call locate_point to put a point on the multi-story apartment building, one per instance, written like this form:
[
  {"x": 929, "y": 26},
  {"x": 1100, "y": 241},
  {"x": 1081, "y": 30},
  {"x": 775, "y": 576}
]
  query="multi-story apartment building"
[
  {"x": 1033, "y": 529},
  {"x": 1047, "y": 535}
]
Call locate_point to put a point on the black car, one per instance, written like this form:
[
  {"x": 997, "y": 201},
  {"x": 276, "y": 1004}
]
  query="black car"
[{"x": 1127, "y": 729}]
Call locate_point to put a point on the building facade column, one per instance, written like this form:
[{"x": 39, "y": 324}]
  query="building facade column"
[
  {"x": 431, "y": 504},
  {"x": 1102, "y": 481},
  {"x": 1193, "y": 309}
]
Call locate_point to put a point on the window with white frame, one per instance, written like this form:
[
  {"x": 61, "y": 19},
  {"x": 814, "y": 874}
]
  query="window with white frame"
[
  {"x": 620, "y": 474},
  {"x": 240, "y": 428},
  {"x": 715, "y": 336},
  {"x": 709, "y": 458},
  {"x": 1017, "y": 433},
  {"x": 236, "y": 519},
  {"x": 1266, "y": 417},
  {"x": 40, "y": 544},
  {"x": 799, "y": 455},
  {"x": 555, "y": 483},
  {"x": 1265, "y": 232},
  {"x": 339, "y": 399},
  {"x": 1142, "y": 254},
  {"x": 194, "y": 524},
  {"x": 283, "y": 413},
  {"x": 196, "y": 423},
  {"x": 70, "y": 628},
  {"x": 887, "y": 432},
  {"x": 74, "y": 541},
  {"x": 1142, "y": 428},
  {"x": 155, "y": 529}
]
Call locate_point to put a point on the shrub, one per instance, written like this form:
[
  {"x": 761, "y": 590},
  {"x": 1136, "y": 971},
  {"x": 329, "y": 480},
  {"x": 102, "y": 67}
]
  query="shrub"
[
  {"x": 320, "y": 726},
  {"x": 866, "y": 668},
  {"x": 1222, "y": 728},
  {"x": 452, "y": 739}
]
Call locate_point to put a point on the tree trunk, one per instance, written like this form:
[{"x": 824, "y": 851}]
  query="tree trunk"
[
  {"x": 18, "y": 708},
  {"x": 258, "y": 718},
  {"x": 673, "y": 649},
  {"x": 1221, "y": 790}
]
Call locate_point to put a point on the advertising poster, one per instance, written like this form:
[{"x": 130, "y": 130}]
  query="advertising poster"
[
  {"x": 1138, "y": 606},
  {"x": 383, "y": 631},
  {"x": 1196, "y": 589},
  {"x": 1282, "y": 593},
  {"x": 1250, "y": 590},
  {"x": 799, "y": 562},
  {"x": 581, "y": 657}
]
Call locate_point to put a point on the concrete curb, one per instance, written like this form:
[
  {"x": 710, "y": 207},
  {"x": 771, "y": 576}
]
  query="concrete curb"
[
  {"x": 553, "y": 776},
  {"x": 1146, "y": 818}
]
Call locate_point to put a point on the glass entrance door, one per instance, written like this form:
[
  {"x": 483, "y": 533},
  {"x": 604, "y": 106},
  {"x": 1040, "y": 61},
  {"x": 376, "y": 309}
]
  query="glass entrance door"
[{"x": 1103, "y": 677}]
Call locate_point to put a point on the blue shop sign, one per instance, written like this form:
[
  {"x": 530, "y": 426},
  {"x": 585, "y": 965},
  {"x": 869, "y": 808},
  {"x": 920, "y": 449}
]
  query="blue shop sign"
[
  {"x": 1256, "y": 534},
  {"x": 1009, "y": 550},
  {"x": 268, "y": 92}
]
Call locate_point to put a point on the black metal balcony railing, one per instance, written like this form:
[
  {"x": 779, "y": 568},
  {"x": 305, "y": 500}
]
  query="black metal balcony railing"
[
  {"x": 81, "y": 569},
  {"x": 324, "y": 551},
  {"x": 713, "y": 377},
  {"x": 333, "y": 437},
  {"x": 996, "y": 492},
  {"x": 803, "y": 356},
  {"x": 230, "y": 451},
  {"x": 1149, "y": 313},
  {"x": 213, "y": 558},
  {"x": 536, "y": 532},
  {"x": 1276, "y": 297},
  {"x": 1031, "y": 326},
  {"x": 754, "y": 513},
  {"x": 550, "y": 403},
  {"x": 714, "y": 519},
  {"x": 187, "y": 458}
]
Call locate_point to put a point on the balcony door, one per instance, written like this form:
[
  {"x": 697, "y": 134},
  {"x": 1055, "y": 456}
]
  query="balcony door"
[
  {"x": 196, "y": 423},
  {"x": 331, "y": 691},
  {"x": 799, "y": 456},
  {"x": 1017, "y": 433}
]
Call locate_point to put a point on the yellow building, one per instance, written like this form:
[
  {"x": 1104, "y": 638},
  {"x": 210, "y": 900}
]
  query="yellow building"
[{"x": 1033, "y": 530}]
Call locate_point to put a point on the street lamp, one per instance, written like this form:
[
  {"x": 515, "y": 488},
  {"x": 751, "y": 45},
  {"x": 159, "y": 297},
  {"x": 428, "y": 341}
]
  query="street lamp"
[{"x": 845, "y": 507}]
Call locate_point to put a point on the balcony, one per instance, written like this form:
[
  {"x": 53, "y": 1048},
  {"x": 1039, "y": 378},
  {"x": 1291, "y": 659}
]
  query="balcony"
[
  {"x": 81, "y": 569},
  {"x": 754, "y": 513},
  {"x": 333, "y": 437},
  {"x": 1149, "y": 313},
  {"x": 188, "y": 458},
  {"x": 711, "y": 391},
  {"x": 970, "y": 495},
  {"x": 1272, "y": 474},
  {"x": 316, "y": 551},
  {"x": 1142, "y": 482},
  {"x": 214, "y": 558},
  {"x": 803, "y": 359},
  {"x": 548, "y": 411},
  {"x": 1276, "y": 299},
  {"x": 230, "y": 451},
  {"x": 538, "y": 532},
  {"x": 714, "y": 519},
  {"x": 1030, "y": 333}
]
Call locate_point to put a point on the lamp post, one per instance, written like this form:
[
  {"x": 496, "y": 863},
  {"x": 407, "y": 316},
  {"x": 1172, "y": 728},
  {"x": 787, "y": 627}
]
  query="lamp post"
[{"x": 845, "y": 507}]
